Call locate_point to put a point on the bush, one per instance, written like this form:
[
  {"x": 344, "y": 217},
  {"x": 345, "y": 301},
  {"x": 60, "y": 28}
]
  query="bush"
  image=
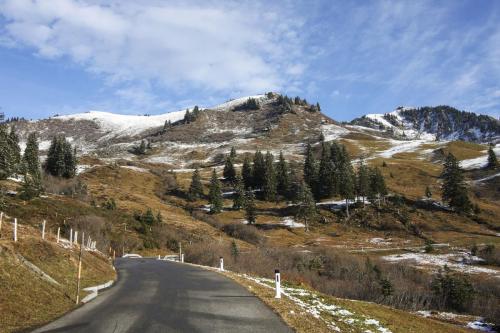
[{"x": 453, "y": 290}]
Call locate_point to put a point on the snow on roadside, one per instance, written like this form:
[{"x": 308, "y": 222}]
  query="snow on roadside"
[
  {"x": 456, "y": 261},
  {"x": 477, "y": 324},
  {"x": 320, "y": 308},
  {"x": 480, "y": 325}
]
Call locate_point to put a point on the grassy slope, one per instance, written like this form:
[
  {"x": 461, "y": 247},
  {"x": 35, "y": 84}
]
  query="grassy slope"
[{"x": 26, "y": 300}]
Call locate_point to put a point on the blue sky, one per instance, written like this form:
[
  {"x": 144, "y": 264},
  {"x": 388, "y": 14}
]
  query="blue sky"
[{"x": 353, "y": 57}]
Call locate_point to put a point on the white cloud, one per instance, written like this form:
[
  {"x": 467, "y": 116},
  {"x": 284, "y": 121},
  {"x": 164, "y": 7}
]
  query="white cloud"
[{"x": 215, "y": 47}]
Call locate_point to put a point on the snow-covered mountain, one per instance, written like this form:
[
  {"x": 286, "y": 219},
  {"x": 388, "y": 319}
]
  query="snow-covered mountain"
[{"x": 435, "y": 123}]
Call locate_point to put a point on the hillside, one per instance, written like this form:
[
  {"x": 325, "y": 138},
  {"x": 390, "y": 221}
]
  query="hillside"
[
  {"x": 439, "y": 123},
  {"x": 403, "y": 240}
]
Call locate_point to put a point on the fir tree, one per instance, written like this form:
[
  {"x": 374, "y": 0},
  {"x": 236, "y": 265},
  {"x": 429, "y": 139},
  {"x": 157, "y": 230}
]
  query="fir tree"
[
  {"x": 310, "y": 173},
  {"x": 235, "y": 251},
  {"x": 250, "y": 213},
  {"x": 187, "y": 117},
  {"x": 61, "y": 158},
  {"x": 229, "y": 172},
  {"x": 239, "y": 194},
  {"x": 307, "y": 206},
  {"x": 326, "y": 182},
  {"x": 196, "y": 112},
  {"x": 5, "y": 153},
  {"x": 258, "y": 170},
  {"x": 282, "y": 177},
  {"x": 454, "y": 190},
  {"x": 15, "y": 150},
  {"x": 215, "y": 194},
  {"x": 362, "y": 181},
  {"x": 346, "y": 183},
  {"x": 148, "y": 218},
  {"x": 31, "y": 167},
  {"x": 318, "y": 107},
  {"x": 233, "y": 154},
  {"x": 295, "y": 186},
  {"x": 196, "y": 187},
  {"x": 378, "y": 189},
  {"x": 492, "y": 159},
  {"x": 246, "y": 172},
  {"x": 269, "y": 187}
]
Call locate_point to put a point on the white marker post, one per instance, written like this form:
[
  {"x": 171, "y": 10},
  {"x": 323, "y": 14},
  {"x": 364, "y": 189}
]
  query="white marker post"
[
  {"x": 182, "y": 257},
  {"x": 76, "y": 238},
  {"x": 58, "y": 234},
  {"x": 1, "y": 220},
  {"x": 71, "y": 237},
  {"x": 278, "y": 283},
  {"x": 180, "y": 251},
  {"x": 43, "y": 229},
  {"x": 221, "y": 264},
  {"x": 15, "y": 230}
]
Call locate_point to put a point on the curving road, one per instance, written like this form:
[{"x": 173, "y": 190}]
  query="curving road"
[{"x": 163, "y": 296}]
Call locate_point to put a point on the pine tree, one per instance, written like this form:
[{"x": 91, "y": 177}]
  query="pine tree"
[
  {"x": 269, "y": 187},
  {"x": 326, "y": 182},
  {"x": 250, "y": 213},
  {"x": 187, "y": 117},
  {"x": 492, "y": 159},
  {"x": 310, "y": 170},
  {"x": 5, "y": 153},
  {"x": 239, "y": 194},
  {"x": 246, "y": 172},
  {"x": 346, "y": 183},
  {"x": 229, "y": 172},
  {"x": 295, "y": 186},
  {"x": 428, "y": 192},
  {"x": 454, "y": 190},
  {"x": 282, "y": 177},
  {"x": 31, "y": 167},
  {"x": 196, "y": 187},
  {"x": 61, "y": 159},
  {"x": 318, "y": 107},
  {"x": 259, "y": 170},
  {"x": 233, "y": 154},
  {"x": 307, "y": 206},
  {"x": 215, "y": 194},
  {"x": 337, "y": 159},
  {"x": 15, "y": 150},
  {"x": 235, "y": 251},
  {"x": 362, "y": 181},
  {"x": 196, "y": 112},
  {"x": 377, "y": 189}
]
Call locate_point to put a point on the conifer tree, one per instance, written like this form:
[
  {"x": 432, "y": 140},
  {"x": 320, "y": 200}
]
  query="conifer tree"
[
  {"x": 310, "y": 170},
  {"x": 282, "y": 177},
  {"x": 235, "y": 251},
  {"x": 229, "y": 172},
  {"x": 31, "y": 168},
  {"x": 61, "y": 158},
  {"x": 492, "y": 159},
  {"x": 187, "y": 117},
  {"x": 196, "y": 187},
  {"x": 5, "y": 153},
  {"x": 15, "y": 150},
  {"x": 233, "y": 154},
  {"x": 269, "y": 187},
  {"x": 258, "y": 170},
  {"x": 246, "y": 172},
  {"x": 295, "y": 186},
  {"x": 307, "y": 206},
  {"x": 454, "y": 190},
  {"x": 239, "y": 194},
  {"x": 196, "y": 112},
  {"x": 250, "y": 213},
  {"x": 378, "y": 189},
  {"x": 326, "y": 181},
  {"x": 362, "y": 181},
  {"x": 215, "y": 194},
  {"x": 346, "y": 183}
]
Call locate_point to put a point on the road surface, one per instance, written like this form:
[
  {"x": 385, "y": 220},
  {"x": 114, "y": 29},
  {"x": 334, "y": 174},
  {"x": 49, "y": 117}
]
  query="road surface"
[{"x": 162, "y": 296}]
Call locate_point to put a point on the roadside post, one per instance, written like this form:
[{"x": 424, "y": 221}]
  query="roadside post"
[
  {"x": 79, "y": 270},
  {"x": 15, "y": 229},
  {"x": 70, "y": 237},
  {"x": 182, "y": 257},
  {"x": 221, "y": 264},
  {"x": 278, "y": 283},
  {"x": 1, "y": 220},
  {"x": 58, "y": 234},
  {"x": 43, "y": 229}
]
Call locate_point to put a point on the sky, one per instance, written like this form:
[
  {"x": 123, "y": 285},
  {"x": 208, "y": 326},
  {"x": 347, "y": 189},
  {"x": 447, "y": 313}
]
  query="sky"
[{"x": 150, "y": 57}]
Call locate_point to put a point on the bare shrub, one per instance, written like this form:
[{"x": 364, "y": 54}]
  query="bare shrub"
[
  {"x": 73, "y": 187},
  {"x": 98, "y": 228}
]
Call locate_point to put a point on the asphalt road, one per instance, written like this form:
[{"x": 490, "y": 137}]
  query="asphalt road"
[{"x": 162, "y": 296}]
